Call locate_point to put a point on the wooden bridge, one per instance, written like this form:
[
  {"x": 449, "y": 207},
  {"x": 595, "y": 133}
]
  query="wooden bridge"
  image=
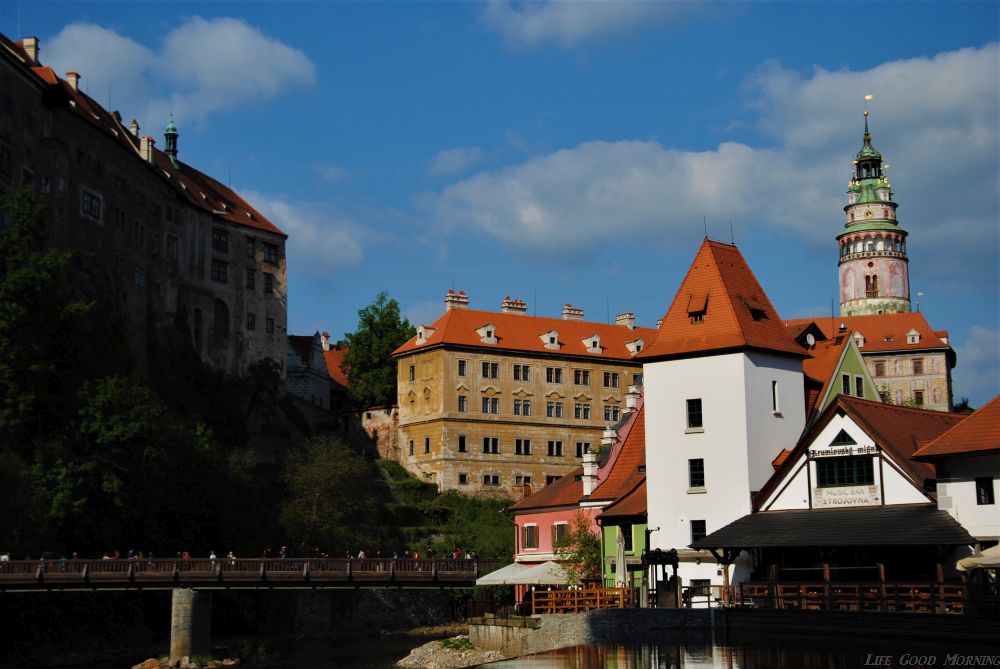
[{"x": 249, "y": 574}]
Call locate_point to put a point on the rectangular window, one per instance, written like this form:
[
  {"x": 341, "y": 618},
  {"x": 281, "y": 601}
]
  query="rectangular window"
[
  {"x": 696, "y": 473},
  {"x": 461, "y": 367},
  {"x": 553, "y": 409},
  {"x": 553, "y": 374},
  {"x": 463, "y": 403},
  {"x": 411, "y": 447},
  {"x": 879, "y": 368},
  {"x": 626, "y": 531},
  {"x": 522, "y": 407},
  {"x": 694, "y": 415},
  {"x": 612, "y": 413},
  {"x": 427, "y": 444},
  {"x": 845, "y": 384},
  {"x": 774, "y": 396},
  {"x": 270, "y": 253},
  {"x": 859, "y": 386},
  {"x": 918, "y": 397},
  {"x": 251, "y": 321},
  {"x": 610, "y": 379},
  {"x": 251, "y": 248},
  {"x": 269, "y": 325},
  {"x": 581, "y": 411},
  {"x": 697, "y": 530},
  {"x": 46, "y": 185},
  {"x": 918, "y": 366},
  {"x": 582, "y": 447},
  {"x": 220, "y": 239},
  {"x": 413, "y": 373},
  {"x": 522, "y": 446},
  {"x": 139, "y": 277},
  {"x": 844, "y": 472},
  {"x": 491, "y": 405},
  {"x": 555, "y": 448},
  {"x": 463, "y": 478},
  {"x": 491, "y": 445},
  {"x": 581, "y": 377},
  {"x": 984, "y": 491},
  {"x": 461, "y": 443},
  {"x": 268, "y": 283},
  {"x": 251, "y": 279},
  {"x": 491, "y": 370},
  {"x": 559, "y": 534},
  {"x": 529, "y": 536},
  {"x": 522, "y": 372},
  {"x": 491, "y": 479},
  {"x": 220, "y": 271},
  {"x": 90, "y": 205}
]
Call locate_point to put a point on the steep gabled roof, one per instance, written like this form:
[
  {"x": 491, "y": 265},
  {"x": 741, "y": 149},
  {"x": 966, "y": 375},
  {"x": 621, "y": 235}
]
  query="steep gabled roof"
[
  {"x": 564, "y": 491},
  {"x": 881, "y": 332},
  {"x": 523, "y": 333},
  {"x": 628, "y": 468},
  {"x": 978, "y": 433},
  {"x": 633, "y": 503},
  {"x": 900, "y": 431},
  {"x": 720, "y": 307},
  {"x": 819, "y": 369}
]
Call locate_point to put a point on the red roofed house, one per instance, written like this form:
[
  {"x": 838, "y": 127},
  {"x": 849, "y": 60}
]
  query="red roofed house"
[
  {"x": 967, "y": 458},
  {"x": 498, "y": 403},
  {"x": 163, "y": 241}
]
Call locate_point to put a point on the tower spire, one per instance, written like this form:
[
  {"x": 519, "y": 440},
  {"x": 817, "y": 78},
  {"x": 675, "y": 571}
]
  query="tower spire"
[{"x": 170, "y": 135}]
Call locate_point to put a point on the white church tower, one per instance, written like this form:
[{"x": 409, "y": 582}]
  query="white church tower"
[{"x": 724, "y": 396}]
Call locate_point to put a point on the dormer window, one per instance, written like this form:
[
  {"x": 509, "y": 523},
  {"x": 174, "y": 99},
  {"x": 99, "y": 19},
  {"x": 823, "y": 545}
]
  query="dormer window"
[
  {"x": 424, "y": 333},
  {"x": 913, "y": 337},
  {"x": 487, "y": 334},
  {"x": 634, "y": 346},
  {"x": 757, "y": 314},
  {"x": 592, "y": 343},
  {"x": 859, "y": 339},
  {"x": 697, "y": 308},
  {"x": 550, "y": 340}
]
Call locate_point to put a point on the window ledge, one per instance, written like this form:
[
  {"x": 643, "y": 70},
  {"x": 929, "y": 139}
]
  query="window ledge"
[
  {"x": 694, "y": 430},
  {"x": 701, "y": 490},
  {"x": 777, "y": 414}
]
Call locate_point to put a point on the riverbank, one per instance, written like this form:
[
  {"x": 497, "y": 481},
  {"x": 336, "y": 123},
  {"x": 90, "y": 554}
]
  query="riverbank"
[{"x": 452, "y": 653}]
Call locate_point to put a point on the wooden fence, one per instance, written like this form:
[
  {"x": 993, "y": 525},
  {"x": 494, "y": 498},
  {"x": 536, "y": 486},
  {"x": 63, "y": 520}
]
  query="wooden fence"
[
  {"x": 934, "y": 597},
  {"x": 576, "y": 601}
]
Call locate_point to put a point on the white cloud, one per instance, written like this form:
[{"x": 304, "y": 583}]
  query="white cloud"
[
  {"x": 941, "y": 136},
  {"x": 319, "y": 244},
  {"x": 203, "y": 67},
  {"x": 458, "y": 159},
  {"x": 332, "y": 172},
  {"x": 570, "y": 23},
  {"x": 979, "y": 363}
]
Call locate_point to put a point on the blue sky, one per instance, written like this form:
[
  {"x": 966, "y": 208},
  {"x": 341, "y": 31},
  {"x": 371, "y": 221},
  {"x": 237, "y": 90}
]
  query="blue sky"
[{"x": 570, "y": 152}]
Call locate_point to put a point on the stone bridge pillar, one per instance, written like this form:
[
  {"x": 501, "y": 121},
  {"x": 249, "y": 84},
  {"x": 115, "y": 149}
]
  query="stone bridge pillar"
[{"x": 190, "y": 624}]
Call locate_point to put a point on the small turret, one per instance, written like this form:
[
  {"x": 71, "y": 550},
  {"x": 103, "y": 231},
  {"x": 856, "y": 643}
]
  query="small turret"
[{"x": 170, "y": 140}]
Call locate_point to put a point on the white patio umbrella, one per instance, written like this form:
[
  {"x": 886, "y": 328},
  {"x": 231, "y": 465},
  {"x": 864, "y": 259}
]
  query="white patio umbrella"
[
  {"x": 621, "y": 570},
  {"x": 988, "y": 559},
  {"x": 503, "y": 576}
]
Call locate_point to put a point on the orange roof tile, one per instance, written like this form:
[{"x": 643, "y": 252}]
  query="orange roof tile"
[
  {"x": 520, "y": 332},
  {"x": 564, "y": 491},
  {"x": 625, "y": 469},
  {"x": 881, "y": 332},
  {"x": 334, "y": 360},
  {"x": 735, "y": 311},
  {"x": 633, "y": 503},
  {"x": 979, "y": 432}
]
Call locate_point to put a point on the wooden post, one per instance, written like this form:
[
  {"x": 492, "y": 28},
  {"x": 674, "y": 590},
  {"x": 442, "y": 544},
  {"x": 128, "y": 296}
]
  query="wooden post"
[
  {"x": 939, "y": 575},
  {"x": 827, "y": 590},
  {"x": 881, "y": 586}
]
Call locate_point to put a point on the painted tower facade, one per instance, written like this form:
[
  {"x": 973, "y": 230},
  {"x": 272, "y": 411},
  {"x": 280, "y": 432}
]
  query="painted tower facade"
[{"x": 874, "y": 278}]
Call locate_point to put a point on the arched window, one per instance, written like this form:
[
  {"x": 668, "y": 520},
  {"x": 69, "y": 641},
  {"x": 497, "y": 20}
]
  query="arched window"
[{"x": 221, "y": 324}]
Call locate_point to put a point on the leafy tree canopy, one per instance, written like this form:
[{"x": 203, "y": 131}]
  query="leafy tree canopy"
[
  {"x": 580, "y": 551},
  {"x": 370, "y": 367}
]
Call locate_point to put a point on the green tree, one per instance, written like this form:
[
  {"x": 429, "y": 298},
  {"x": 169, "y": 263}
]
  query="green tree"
[
  {"x": 580, "y": 551},
  {"x": 370, "y": 367},
  {"x": 963, "y": 406}
]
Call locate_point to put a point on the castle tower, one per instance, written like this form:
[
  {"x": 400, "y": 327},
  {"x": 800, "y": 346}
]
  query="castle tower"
[{"x": 874, "y": 277}]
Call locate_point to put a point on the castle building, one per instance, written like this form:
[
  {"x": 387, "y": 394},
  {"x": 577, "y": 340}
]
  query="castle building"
[
  {"x": 154, "y": 237},
  {"x": 873, "y": 265},
  {"x": 497, "y": 404}
]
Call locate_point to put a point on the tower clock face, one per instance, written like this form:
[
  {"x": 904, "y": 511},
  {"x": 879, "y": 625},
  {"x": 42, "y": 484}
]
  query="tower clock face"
[{"x": 868, "y": 213}]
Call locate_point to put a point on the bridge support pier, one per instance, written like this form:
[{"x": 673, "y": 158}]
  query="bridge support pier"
[{"x": 190, "y": 624}]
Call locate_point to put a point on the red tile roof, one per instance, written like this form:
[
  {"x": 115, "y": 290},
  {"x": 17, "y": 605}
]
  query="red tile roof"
[
  {"x": 564, "y": 491},
  {"x": 633, "y": 503},
  {"x": 978, "y": 433},
  {"x": 625, "y": 472},
  {"x": 736, "y": 312},
  {"x": 197, "y": 188},
  {"x": 334, "y": 359},
  {"x": 819, "y": 369},
  {"x": 520, "y": 332},
  {"x": 882, "y": 332}
]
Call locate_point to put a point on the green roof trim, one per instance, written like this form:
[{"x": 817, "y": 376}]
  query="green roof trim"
[{"x": 871, "y": 224}]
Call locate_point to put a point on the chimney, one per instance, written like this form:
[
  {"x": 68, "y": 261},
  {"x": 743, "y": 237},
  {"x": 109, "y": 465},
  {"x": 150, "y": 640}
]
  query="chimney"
[
  {"x": 74, "y": 80},
  {"x": 659, "y": 322},
  {"x": 632, "y": 399},
  {"x": 571, "y": 313},
  {"x": 608, "y": 438},
  {"x": 30, "y": 46},
  {"x": 589, "y": 477},
  {"x": 512, "y": 306},
  {"x": 325, "y": 340},
  {"x": 146, "y": 148},
  {"x": 455, "y": 300},
  {"x": 133, "y": 128},
  {"x": 627, "y": 319}
]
